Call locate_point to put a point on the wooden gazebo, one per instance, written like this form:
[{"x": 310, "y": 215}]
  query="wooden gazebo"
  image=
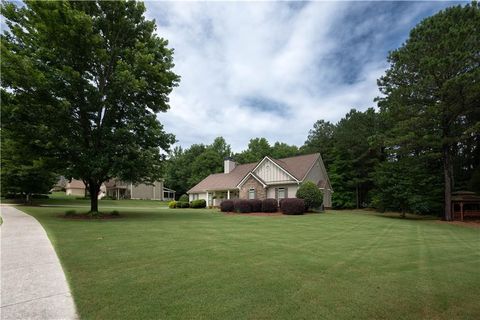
[{"x": 465, "y": 204}]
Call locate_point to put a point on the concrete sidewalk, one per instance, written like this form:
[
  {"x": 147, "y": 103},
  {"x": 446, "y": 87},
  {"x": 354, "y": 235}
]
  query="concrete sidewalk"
[{"x": 33, "y": 285}]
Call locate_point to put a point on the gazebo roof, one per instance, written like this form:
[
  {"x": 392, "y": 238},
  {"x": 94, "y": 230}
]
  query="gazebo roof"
[{"x": 465, "y": 196}]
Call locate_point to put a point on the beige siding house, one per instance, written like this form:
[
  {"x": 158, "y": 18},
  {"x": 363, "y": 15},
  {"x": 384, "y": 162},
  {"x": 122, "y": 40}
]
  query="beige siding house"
[
  {"x": 77, "y": 188},
  {"x": 269, "y": 178},
  {"x": 126, "y": 190}
]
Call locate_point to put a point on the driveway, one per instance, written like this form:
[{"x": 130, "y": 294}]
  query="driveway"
[{"x": 33, "y": 285}]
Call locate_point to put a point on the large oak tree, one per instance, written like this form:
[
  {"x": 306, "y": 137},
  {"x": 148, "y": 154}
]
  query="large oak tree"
[{"x": 85, "y": 81}]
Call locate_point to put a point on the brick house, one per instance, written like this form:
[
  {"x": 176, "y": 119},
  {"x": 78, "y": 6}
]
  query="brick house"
[{"x": 268, "y": 178}]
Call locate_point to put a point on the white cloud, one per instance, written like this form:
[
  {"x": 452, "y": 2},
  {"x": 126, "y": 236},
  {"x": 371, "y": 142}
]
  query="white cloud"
[{"x": 228, "y": 53}]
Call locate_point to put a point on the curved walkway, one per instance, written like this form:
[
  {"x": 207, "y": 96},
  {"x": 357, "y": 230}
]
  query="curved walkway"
[{"x": 33, "y": 285}]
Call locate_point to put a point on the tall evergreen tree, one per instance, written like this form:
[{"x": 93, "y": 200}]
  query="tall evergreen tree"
[{"x": 433, "y": 87}]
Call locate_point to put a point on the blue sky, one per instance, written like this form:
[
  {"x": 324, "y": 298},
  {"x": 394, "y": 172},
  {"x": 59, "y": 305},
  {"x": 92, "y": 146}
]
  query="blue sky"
[{"x": 271, "y": 69}]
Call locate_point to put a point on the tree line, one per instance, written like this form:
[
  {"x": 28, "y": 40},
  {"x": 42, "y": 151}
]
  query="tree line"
[
  {"x": 420, "y": 144},
  {"x": 82, "y": 83}
]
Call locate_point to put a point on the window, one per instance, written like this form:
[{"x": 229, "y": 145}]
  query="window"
[
  {"x": 195, "y": 196},
  {"x": 281, "y": 193},
  {"x": 251, "y": 193}
]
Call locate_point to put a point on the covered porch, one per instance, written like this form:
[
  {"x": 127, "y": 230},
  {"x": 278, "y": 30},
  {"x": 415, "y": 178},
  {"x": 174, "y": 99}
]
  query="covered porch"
[
  {"x": 215, "y": 197},
  {"x": 118, "y": 192},
  {"x": 168, "y": 194}
]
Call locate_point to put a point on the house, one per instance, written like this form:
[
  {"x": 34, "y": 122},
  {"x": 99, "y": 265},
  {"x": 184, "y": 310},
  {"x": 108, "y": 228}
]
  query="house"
[
  {"x": 268, "y": 178},
  {"x": 76, "y": 187},
  {"x": 126, "y": 190}
]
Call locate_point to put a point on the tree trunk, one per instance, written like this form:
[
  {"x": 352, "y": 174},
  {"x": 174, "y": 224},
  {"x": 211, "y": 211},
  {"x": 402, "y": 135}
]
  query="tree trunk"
[
  {"x": 358, "y": 206},
  {"x": 94, "y": 189},
  {"x": 447, "y": 173}
]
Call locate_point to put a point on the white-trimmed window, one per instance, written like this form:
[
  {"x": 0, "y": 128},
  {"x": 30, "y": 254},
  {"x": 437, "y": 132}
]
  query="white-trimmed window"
[
  {"x": 195, "y": 196},
  {"x": 281, "y": 194},
  {"x": 251, "y": 193}
]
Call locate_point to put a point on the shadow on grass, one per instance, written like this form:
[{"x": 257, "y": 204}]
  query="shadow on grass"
[
  {"x": 408, "y": 216},
  {"x": 132, "y": 215}
]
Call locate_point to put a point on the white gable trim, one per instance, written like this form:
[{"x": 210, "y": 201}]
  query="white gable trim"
[
  {"x": 278, "y": 166},
  {"x": 254, "y": 176},
  {"x": 311, "y": 167},
  {"x": 322, "y": 166}
]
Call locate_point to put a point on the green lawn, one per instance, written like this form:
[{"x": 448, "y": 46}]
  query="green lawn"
[
  {"x": 187, "y": 263},
  {"x": 60, "y": 199}
]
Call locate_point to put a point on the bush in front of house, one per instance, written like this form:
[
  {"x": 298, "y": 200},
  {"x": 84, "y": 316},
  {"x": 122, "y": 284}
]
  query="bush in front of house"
[
  {"x": 183, "y": 204},
  {"x": 226, "y": 206},
  {"x": 172, "y": 204},
  {"x": 39, "y": 196},
  {"x": 309, "y": 192},
  {"x": 269, "y": 205},
  {"x": 184, "y": 198},
  {"x": 199, "y": 203},
  {"x": 255, "y": 205},
  {"x": 242, "y": 206},
  {"x": 293, "y": 206}
]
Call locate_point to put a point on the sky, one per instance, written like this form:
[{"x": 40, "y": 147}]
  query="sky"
[{"x": 271, "y": 69}]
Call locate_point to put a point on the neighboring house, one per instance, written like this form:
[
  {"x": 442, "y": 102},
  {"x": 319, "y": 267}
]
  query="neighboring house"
[
  {"x": 60, "y": 185},
  {"x": 77, "y": 188},
  {"x": 269, "y": 178},
  {"x": 126, "y": 190}
]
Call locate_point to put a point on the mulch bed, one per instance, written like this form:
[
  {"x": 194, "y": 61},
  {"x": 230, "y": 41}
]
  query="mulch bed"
[
  {"x": 260, "y": 214},
  {"x": 89, "y": 217},
  {"x": 468, "y": 223},
  {"x": 265, "y": 214}
]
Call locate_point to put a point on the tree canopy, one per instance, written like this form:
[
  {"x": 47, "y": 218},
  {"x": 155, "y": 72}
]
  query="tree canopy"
[
  {"x": 432, "y": 94},
  {"x": 82, "y": 83}
]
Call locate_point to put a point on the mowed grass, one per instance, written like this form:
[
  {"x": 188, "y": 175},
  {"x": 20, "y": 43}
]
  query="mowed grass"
[
  {"x": 201, "y": 264},
  {"x": 61, "y": 199}
]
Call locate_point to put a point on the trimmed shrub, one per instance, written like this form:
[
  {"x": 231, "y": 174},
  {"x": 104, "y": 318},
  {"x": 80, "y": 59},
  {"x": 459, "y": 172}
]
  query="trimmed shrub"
[
  {"x": 184, "y": 198},
  {"x": 183, "y": 204},
  {"x": 226, "y": 206},
  {"x": 269, "y": 205},
  {"x": 310, "y": 193},
  {"x": 14, "y": 196},
  {"x": 115, "y": 213},
  {"x": 39, "y": 196},
  {"x": 293, "y": 206},
  {"x": 242, "y": 206},
  {"x": 172, "y": 204},
  {"x": 256, "y": 205},
  {"x": 200, "y": 203},
  {"x": 108, "y": 198},
  {"x": 70, "y": 213}
]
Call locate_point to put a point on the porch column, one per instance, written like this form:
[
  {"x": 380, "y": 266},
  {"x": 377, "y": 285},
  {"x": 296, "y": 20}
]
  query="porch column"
[
  {"x": 461, "y": 211},
  {"x": 207, "y": 200},
  {"x": 228, "y": 194}
]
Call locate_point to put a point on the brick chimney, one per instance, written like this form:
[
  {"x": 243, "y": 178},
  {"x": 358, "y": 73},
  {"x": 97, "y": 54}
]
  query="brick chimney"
[{"x": 228, "y": 165}]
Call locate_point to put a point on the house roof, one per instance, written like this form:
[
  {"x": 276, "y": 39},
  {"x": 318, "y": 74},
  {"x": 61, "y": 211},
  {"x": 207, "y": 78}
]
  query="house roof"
[
  {"x": 224, "y": 181},
  {"x": 296, "y": 166},
  {"x": 75, "y": 184}
]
